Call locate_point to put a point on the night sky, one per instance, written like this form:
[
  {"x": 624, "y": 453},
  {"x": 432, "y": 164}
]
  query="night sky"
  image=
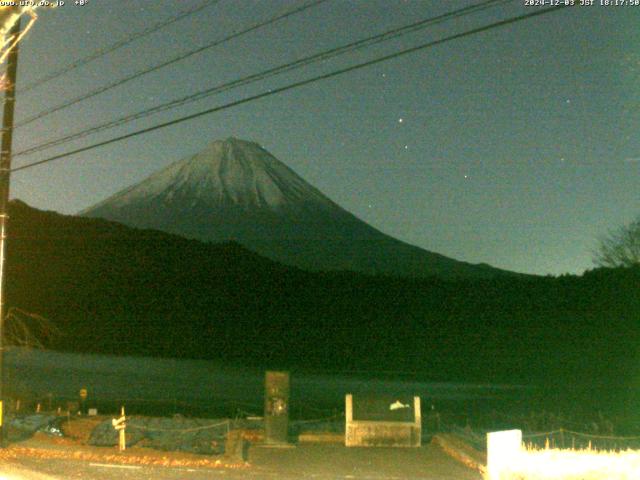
[{"x": 516, "y": 147}]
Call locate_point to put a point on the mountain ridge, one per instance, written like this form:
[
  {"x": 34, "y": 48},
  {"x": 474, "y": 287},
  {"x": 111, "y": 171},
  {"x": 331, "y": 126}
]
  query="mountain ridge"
[{"x": 236, "y": 190}]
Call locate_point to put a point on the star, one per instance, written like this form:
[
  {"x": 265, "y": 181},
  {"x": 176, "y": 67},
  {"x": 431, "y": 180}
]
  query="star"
[
  {"x": 400, "y": 120},
  {"x": 406, "y": 147}
]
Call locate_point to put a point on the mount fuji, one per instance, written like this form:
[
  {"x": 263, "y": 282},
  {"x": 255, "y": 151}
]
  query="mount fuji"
[{"x": 234, "y": 190}]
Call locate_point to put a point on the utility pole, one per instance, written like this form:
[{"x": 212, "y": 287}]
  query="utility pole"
[{"x": 5, "y": 174}]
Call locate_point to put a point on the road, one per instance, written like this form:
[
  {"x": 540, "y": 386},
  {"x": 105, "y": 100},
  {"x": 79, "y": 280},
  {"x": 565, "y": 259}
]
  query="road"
[{"x": 318, "y": 462}]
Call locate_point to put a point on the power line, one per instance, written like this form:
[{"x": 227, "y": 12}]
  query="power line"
[
  {"x": 173, "y": 60},
  {"x": 117, "y": 45},
  {"x": 332, "y": 53},
  {"x": 301, "y": 83}
]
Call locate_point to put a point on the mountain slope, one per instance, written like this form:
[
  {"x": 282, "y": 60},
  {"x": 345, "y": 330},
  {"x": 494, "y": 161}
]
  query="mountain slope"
[{"x": 236, "y": 190}]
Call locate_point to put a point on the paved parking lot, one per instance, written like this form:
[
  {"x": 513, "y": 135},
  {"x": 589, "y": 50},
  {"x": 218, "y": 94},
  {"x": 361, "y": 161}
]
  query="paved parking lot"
[{"x": 320, "y": 462}]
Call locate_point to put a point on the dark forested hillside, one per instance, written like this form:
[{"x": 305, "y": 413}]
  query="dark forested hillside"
[{"x": 113, "y": 289}]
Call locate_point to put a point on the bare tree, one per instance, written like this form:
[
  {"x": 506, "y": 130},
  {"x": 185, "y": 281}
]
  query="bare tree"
[
  {"x": 26, "y": 329},
  {"x": 620, "y": 248}
]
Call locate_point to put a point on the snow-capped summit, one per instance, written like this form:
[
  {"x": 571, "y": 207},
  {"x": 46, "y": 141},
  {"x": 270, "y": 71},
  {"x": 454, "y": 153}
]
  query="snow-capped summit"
[
  {"x": 236, "y": 190},
  {"x": 227, "y": 172}
]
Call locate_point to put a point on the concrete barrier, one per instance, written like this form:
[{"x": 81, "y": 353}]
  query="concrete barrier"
[{"x": 503, "y": 450}]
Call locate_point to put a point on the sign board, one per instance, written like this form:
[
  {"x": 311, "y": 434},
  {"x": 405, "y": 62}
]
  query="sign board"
[
  {"x": 119, "y": 423},
  {"x": 383, "y": 420},
  {"x": 384, "y": 408}
]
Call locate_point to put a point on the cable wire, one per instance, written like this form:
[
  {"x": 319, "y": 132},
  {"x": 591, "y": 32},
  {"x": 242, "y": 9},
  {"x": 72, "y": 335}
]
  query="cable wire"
[
  {"x": 117, "y": 45},
  {"x": 178, "y": 430},
  {"x": 299, "y": 84},
  {"x": 166, "y": 63},
  {"x": 287, "y": 67}
]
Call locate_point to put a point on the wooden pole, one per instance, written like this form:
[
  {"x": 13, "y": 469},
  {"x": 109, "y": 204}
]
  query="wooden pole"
[
  {"x": 122, "y": 443},
  {"x": 5, "y": 174}
]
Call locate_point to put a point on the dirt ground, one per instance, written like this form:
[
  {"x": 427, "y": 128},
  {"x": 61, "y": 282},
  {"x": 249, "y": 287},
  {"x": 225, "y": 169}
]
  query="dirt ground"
[
  {"x": 337, "y": 461},
  {"x": 318, "y": 462}
]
